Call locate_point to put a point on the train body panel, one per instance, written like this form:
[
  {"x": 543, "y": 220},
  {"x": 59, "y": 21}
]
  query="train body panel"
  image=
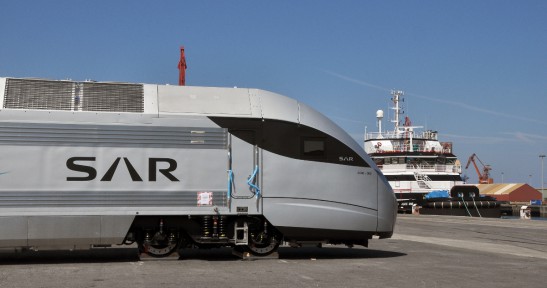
[
  {"x": 326, "y": 182},
  {"x": 86, "y": 164}
]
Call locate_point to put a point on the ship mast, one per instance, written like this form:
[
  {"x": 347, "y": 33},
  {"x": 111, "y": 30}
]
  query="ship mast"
[{"x": 397, "y": 96}]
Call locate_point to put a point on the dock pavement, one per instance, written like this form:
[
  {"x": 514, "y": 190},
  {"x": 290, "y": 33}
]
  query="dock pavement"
[{"x": 425, "y": 251}]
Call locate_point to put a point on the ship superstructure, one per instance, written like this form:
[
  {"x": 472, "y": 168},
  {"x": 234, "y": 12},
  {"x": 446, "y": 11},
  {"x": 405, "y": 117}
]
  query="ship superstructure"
[{"x": 413, "y": 160}]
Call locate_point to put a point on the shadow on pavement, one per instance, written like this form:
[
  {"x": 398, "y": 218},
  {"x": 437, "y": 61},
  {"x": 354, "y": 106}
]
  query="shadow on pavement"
[
  {"x": 215, "y": 254},
  {"x": 335, "y": 253},
  {"x": 63, "y": 256}
]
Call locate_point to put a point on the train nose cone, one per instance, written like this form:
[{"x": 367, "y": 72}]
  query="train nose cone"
[{"x": 387, "y": 209}]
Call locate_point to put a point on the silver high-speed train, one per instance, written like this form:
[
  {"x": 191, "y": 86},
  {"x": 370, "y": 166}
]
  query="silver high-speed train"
[{"x": 93, "y": 164}]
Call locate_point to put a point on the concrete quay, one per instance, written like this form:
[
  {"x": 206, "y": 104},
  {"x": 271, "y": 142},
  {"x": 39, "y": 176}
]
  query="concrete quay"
[{"x": 425, "y": 251}]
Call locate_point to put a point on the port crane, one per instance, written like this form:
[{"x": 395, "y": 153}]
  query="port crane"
[
  {"x": 182, "y": 67},
  {"x": 484, "y": 177}
]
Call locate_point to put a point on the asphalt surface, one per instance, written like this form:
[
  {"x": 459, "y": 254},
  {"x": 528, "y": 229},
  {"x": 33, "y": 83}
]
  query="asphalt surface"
[{"x": 426, "y": 251}]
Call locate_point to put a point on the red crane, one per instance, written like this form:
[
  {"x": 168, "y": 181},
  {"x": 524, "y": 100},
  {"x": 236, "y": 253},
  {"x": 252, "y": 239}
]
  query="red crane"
[
  {"x": 484, "y": 177},
  {"x": 182, "y": 67}
]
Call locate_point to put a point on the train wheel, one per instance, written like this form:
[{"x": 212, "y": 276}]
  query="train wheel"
[
  {"x": 159, "y": 251},
  {"x": 262, "y": 246}
]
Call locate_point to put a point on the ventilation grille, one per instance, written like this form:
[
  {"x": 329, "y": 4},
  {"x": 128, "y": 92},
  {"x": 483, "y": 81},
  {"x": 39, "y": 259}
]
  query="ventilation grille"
[
  {"x": 33, "y": 94},
  {"x": 38, "y": 94},
  {"x": 112, "y": 97}
]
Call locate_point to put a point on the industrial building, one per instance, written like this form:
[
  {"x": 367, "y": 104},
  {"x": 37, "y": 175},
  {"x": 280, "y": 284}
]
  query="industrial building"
[{"x": 511, "y": 192}]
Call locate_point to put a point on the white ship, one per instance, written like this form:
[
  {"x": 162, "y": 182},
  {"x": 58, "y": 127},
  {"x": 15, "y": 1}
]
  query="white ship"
[{"x": 414, "y": 162}]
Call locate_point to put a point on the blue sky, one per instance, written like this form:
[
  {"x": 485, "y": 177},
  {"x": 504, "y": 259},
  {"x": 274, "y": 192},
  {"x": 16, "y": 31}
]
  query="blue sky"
[{"x": 476, "y": 71}]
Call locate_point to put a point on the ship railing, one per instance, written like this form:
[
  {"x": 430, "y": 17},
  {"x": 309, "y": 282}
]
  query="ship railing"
[
  {"x": 393, "y": 167},
  {"x": 441, "y": 168},
  {"x": 429, "y": 135},
  {"x": 406, "y": 147},
  {"x": 400, "y": 145},
  {"x": 421, "y": 167}
]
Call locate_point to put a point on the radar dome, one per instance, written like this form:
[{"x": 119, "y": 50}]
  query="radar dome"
[{"x": 379, "y": 114}]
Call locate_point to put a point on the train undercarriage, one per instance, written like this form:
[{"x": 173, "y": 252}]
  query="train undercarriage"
[{"x": 162, "y": 236}]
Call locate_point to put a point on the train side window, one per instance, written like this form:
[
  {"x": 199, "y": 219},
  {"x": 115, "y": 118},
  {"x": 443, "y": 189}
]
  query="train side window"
[{"x": 313, "y": 147}]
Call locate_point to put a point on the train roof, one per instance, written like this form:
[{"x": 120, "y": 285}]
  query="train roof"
[{"x": 164, "y": 101}]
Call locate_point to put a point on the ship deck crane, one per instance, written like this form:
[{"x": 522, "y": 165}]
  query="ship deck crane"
[{"x": 484, "y": 177}]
